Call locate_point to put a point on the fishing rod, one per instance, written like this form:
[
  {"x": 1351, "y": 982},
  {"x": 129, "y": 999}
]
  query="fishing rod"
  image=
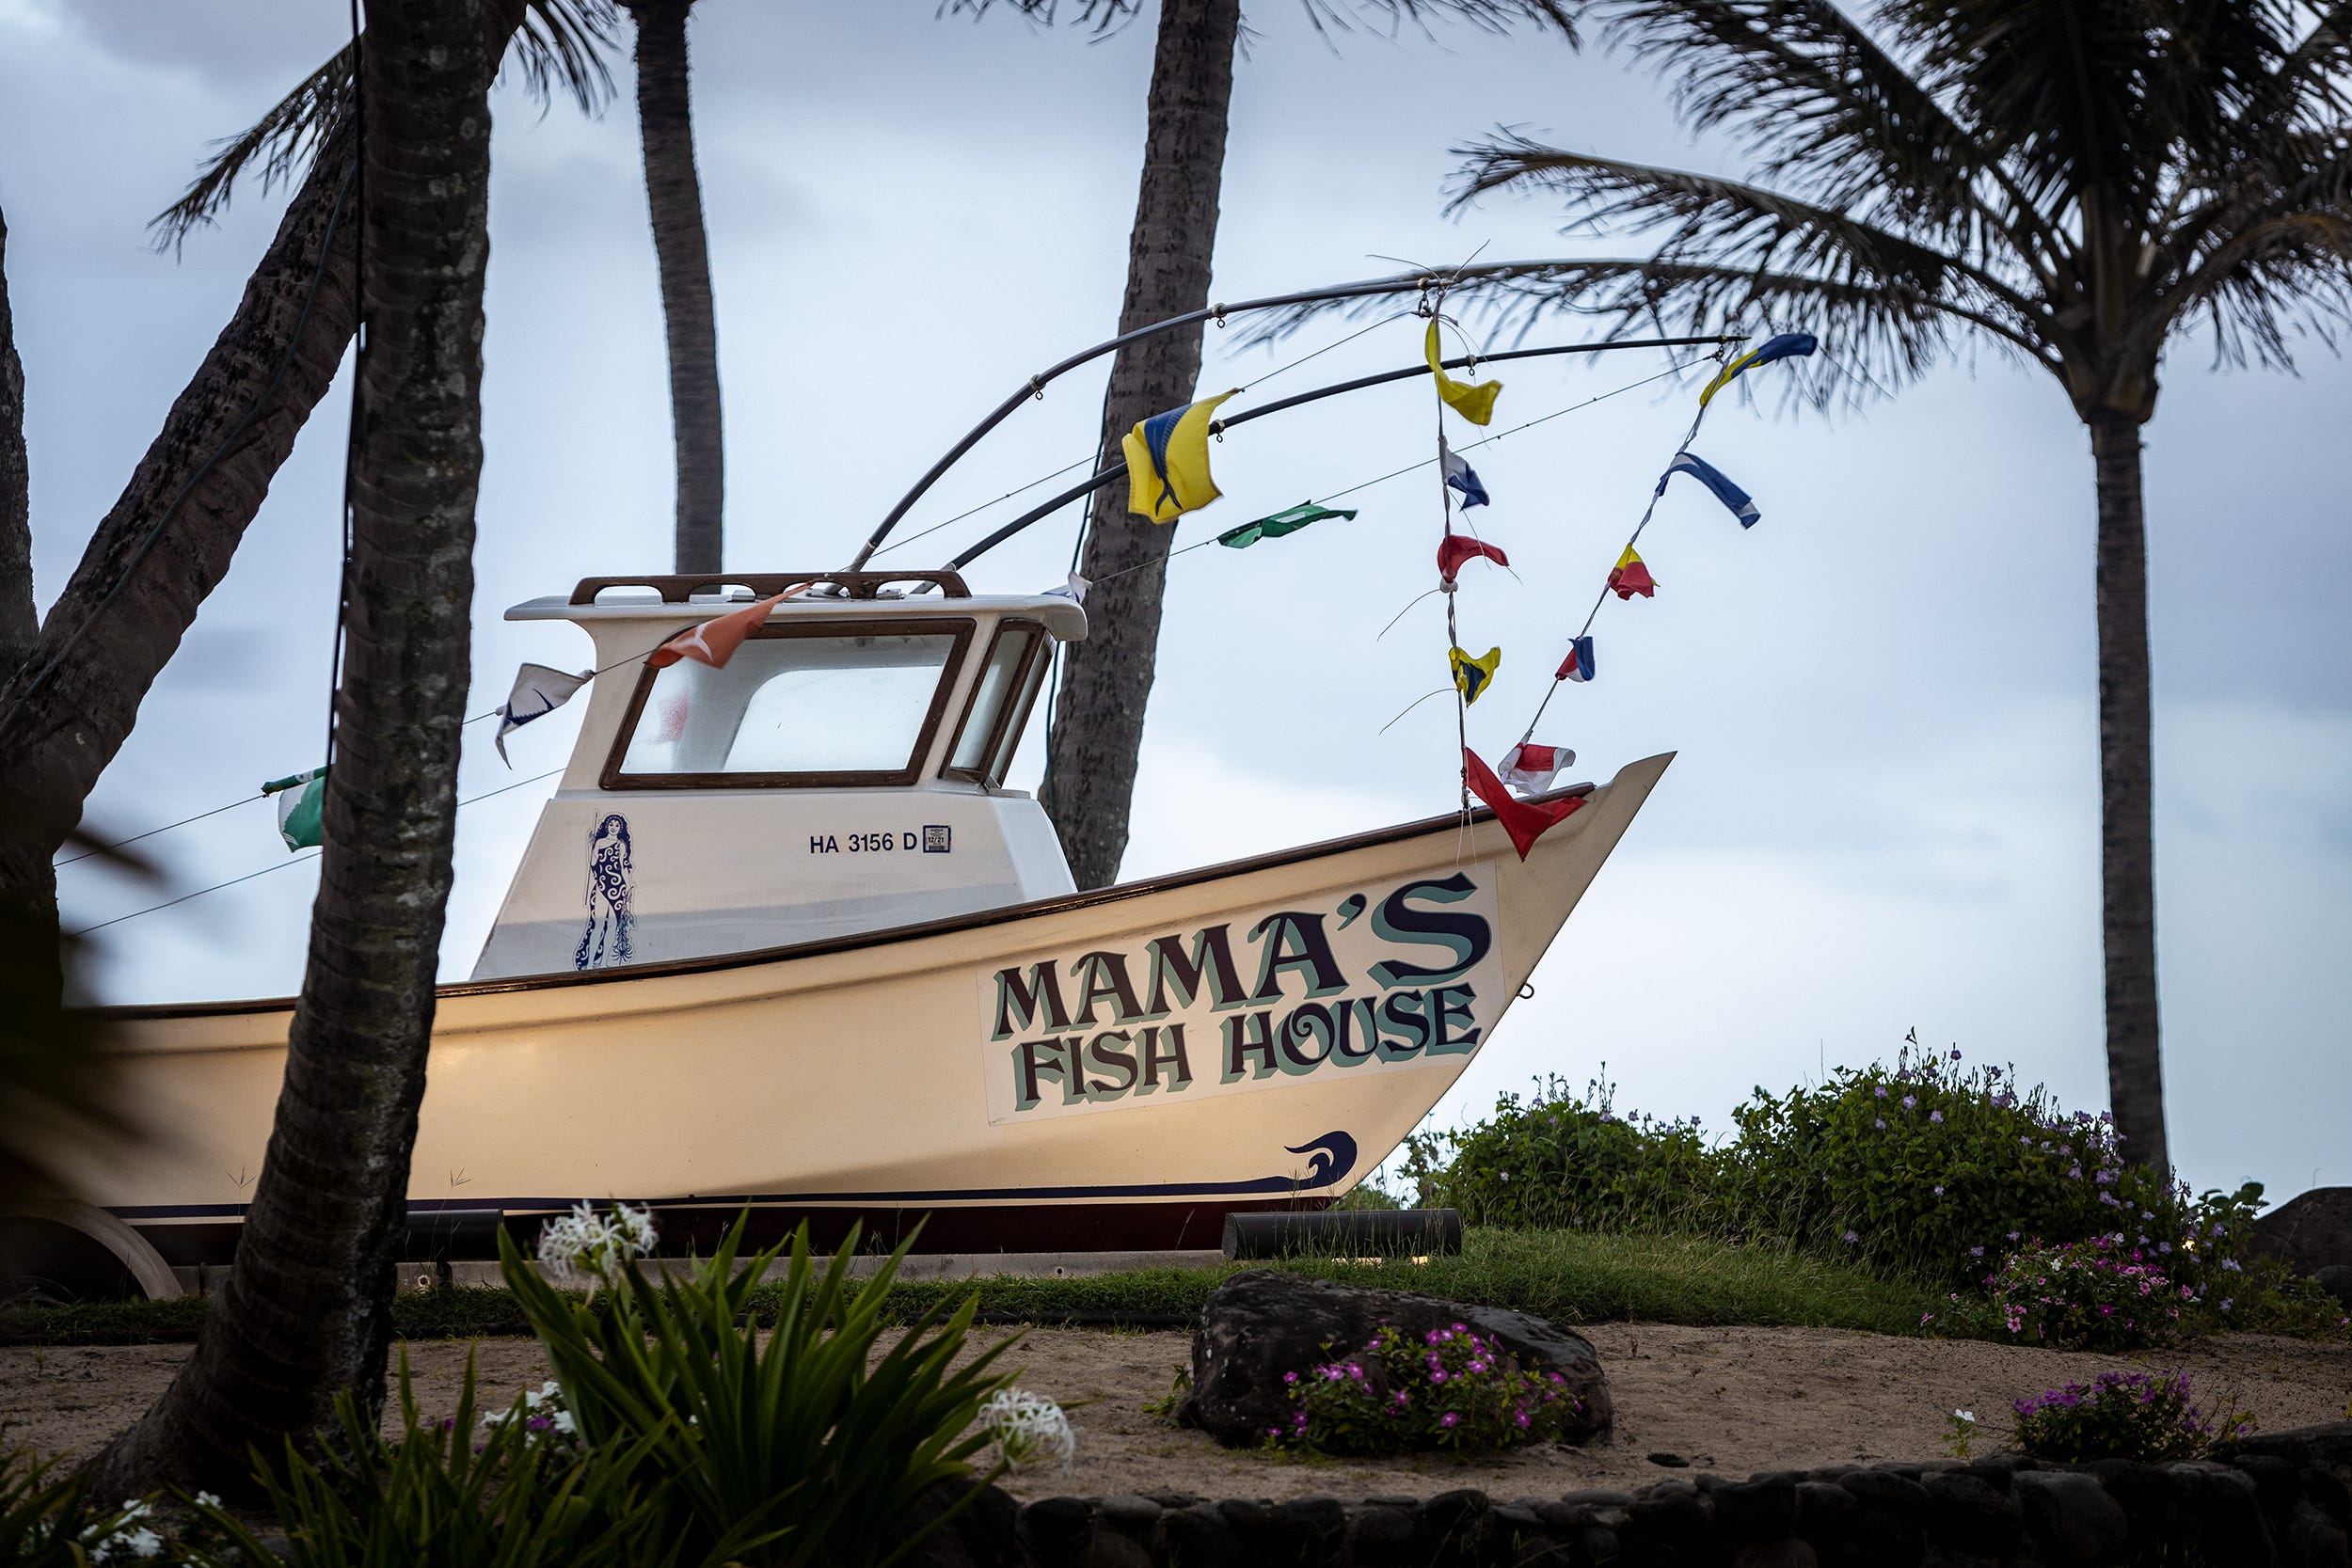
[
  {"x": 1218, "y": 427},
  {"x": 1035, "y": 387}
]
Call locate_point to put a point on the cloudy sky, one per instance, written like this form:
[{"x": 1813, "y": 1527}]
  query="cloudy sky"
[{"x": 1884, "y": 813}]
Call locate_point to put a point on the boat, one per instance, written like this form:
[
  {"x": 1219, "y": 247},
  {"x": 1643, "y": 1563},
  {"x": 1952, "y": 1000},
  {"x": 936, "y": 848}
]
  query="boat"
[{"x": 784, "y": 939}]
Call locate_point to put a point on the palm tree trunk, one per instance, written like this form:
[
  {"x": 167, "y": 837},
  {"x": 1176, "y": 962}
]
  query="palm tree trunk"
[
  {"x": 1090, "y": 771},
  {"x": 665, "y": 118},
  {"x": 222, "y": 443},
  {"x": 28, "y": 903},
  {"x": 20, "y": 622},
  {"x": 307, "y": 1307},
  {"x": 2126, "y": 796},
  {"x": 59, "y": 735}
]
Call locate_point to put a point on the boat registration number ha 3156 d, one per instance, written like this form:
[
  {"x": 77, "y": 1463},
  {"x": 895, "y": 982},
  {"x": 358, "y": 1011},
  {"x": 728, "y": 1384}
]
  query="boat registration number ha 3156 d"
[
  {"x": 934, "y": 839},
  {"x": 1368, "y": 981}
]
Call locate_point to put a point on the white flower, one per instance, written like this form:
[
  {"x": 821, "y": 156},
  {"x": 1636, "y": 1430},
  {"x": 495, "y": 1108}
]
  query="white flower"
[
  {"x": 564, "y": 1423},
  {"x": 584, "y": 1243},
  {"x": 207, "y": 1499},
  {"x": 1030, "y": 1428},
  {"x": 1969, "y": 1416}
]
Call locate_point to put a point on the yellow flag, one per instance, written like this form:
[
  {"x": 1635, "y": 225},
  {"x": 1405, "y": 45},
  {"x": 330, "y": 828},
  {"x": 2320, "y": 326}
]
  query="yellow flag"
[
  {"x": 1474, "y": 401},
  {"x": 1473, "y": 675},
  {"x": 1168, "y": 462}
]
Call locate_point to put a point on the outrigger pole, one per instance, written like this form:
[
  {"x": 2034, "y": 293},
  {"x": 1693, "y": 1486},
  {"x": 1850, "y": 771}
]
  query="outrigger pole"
[
  {"x": 1218, "y": 427},
  {"x": 1035, "y": 386}
]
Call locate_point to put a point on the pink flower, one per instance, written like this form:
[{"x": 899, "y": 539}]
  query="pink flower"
[
  {"x": 1449, "y": 1419},
  {"x": 1289, "y": 1377}
]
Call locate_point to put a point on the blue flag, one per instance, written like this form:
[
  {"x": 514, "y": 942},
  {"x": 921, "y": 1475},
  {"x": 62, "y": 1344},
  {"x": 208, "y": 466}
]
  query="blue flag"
[
  {"x": 1577, "y": 666},
  {"x": 1709, "y": 475},
  {"x": 1460, "y": 476}
]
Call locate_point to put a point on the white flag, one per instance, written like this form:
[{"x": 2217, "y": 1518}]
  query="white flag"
[{"x": 538, "y": 691}]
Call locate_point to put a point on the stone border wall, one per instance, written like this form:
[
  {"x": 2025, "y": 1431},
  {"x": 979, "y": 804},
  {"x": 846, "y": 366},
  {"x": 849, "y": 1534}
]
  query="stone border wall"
[{"x": 2283, "y": 1498}]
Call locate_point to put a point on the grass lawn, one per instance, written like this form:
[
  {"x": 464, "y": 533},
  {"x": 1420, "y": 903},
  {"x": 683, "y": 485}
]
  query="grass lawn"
[{"x": 1570, "y": 1277}]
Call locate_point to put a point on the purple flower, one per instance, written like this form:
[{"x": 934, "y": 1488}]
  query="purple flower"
[
  {"x": 1449, "y": 1419},
  {"x": 1881, "y": 1092},
  {"x": 1880, "y": 1124},
  {"x": 1852, "y": 1238},
  {"x": 1289, "y": 1377},
  {"x": 1935, "y": 1116},
  {"x": 1910, "y": 1100},
  {"x": 1939, "y": 1192},
  {"x": 1976, "y": 1252},
  {"x": 1955, "y": 1054}
]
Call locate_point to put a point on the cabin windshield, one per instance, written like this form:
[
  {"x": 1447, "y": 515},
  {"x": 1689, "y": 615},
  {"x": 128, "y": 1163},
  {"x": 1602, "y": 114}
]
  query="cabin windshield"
[{"x": 832, "y": 703}]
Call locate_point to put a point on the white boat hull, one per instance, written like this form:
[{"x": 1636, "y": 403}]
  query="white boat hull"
[{"x": 924, "y": 1071}]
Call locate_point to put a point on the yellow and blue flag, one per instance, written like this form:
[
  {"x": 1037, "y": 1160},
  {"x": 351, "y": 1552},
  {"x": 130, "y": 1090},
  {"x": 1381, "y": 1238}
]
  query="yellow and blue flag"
[
  {"x": 1168, "y": 462},
  {"x": 1787, "y": 344},
  {"x": 1471, "y": 676},
  {"x": 1474, "y": 401}
]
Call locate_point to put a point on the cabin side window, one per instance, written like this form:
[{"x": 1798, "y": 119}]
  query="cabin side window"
[
  {"x": 1000, "y": 704},
  {"x": 839, "y": 703}
]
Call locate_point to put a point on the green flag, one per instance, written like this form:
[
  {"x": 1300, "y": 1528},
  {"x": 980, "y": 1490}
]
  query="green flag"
[
  {"x": 301, "y": 808},
  {"x": 1289, "y": 521}
]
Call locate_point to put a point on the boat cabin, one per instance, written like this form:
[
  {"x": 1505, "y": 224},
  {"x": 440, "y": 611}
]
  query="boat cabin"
[{"x": 844, "y": 772}]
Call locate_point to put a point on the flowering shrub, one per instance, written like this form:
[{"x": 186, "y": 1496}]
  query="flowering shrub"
[
  {"x": 1568, "y": 1161},
  {"x": 1453, "y": 1389},
  {"x": 2122, "y": 1416},
  {"x": 2099, "y": 1295}
]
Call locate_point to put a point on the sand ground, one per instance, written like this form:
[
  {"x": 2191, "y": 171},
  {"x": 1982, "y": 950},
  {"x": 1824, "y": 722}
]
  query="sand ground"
[{"x": 1735, "y": 1401}]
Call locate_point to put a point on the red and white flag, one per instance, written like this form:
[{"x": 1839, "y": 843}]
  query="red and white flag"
[
  {"x": 714, "y": 642},
  {"x": 1525, "y": 820},
  {"x": 1529, "y": 768}
]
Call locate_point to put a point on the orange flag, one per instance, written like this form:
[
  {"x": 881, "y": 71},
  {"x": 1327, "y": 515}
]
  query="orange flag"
[{"x": 714, "y": 642}]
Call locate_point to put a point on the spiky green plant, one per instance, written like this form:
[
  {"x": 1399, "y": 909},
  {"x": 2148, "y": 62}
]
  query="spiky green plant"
[{"x": 810, "y": 1447}]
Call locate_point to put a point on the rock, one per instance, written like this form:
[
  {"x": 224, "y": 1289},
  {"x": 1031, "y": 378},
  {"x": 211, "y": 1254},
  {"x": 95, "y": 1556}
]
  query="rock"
[
  {"x": 1057, "y": 1531},
  {"x": 2310, "y": 1232},
  {"x": 2336, "y": 1279},
  {"x": 982, "y": 1533},
  {"x": 1966, "y": 1512},
  {"x": 2072, "y": 1517},
  {"x": 1260, "y": 1324}
]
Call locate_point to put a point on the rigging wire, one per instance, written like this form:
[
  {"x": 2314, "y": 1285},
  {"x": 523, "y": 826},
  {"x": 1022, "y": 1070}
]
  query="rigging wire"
[
  {"x": 1409, "y": 467},
  {"x": 1096, "y": 456},
  {"x": 301, "y": 859},
  {"x": 1078, "y": 545}
]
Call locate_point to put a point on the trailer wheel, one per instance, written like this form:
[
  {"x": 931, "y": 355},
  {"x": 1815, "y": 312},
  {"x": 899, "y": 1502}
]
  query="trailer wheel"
[{"x": 60, "y": 1250}]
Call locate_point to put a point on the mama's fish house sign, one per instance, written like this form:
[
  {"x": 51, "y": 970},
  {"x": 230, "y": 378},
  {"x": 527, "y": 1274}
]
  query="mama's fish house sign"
[{"x": 1360, "y": 982}]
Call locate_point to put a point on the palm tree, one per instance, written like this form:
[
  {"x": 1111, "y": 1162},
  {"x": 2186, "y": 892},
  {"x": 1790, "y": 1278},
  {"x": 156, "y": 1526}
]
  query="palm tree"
[
  {"x": 2076, "y": 183},
  {"x": 166, "y": 543},
  {"x": 665, "y": 120},
  {"x": 1098, "y": 720},
  {"x": 20, "y": 621},
  {"x": 307, "y": 1307}
]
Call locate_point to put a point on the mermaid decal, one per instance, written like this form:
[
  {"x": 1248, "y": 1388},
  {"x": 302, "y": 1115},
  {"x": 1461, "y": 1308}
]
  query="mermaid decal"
[{"x": 606, "y": 941}]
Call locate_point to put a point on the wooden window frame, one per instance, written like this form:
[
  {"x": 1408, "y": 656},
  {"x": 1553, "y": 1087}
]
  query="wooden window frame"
[
  {"x": 961, "y": 629},
  {"x": 1018, "y": 694}
]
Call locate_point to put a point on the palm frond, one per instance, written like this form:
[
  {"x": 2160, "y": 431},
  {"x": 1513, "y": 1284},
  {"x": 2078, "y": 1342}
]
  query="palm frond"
[
  {"x": 557, "y": 45},
  {"x": 2069, "y": 82},
  {"x": 1877, "y": 336},
  {"x": 2258, "y": 265},
  {"x": 1726, "y": 223},
  {"x": 1493, "y": 16},
  {"x": 1811, "y": 96},
  {"x": 280, "y": 143},
  {"x": 561, "y": 47}
]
